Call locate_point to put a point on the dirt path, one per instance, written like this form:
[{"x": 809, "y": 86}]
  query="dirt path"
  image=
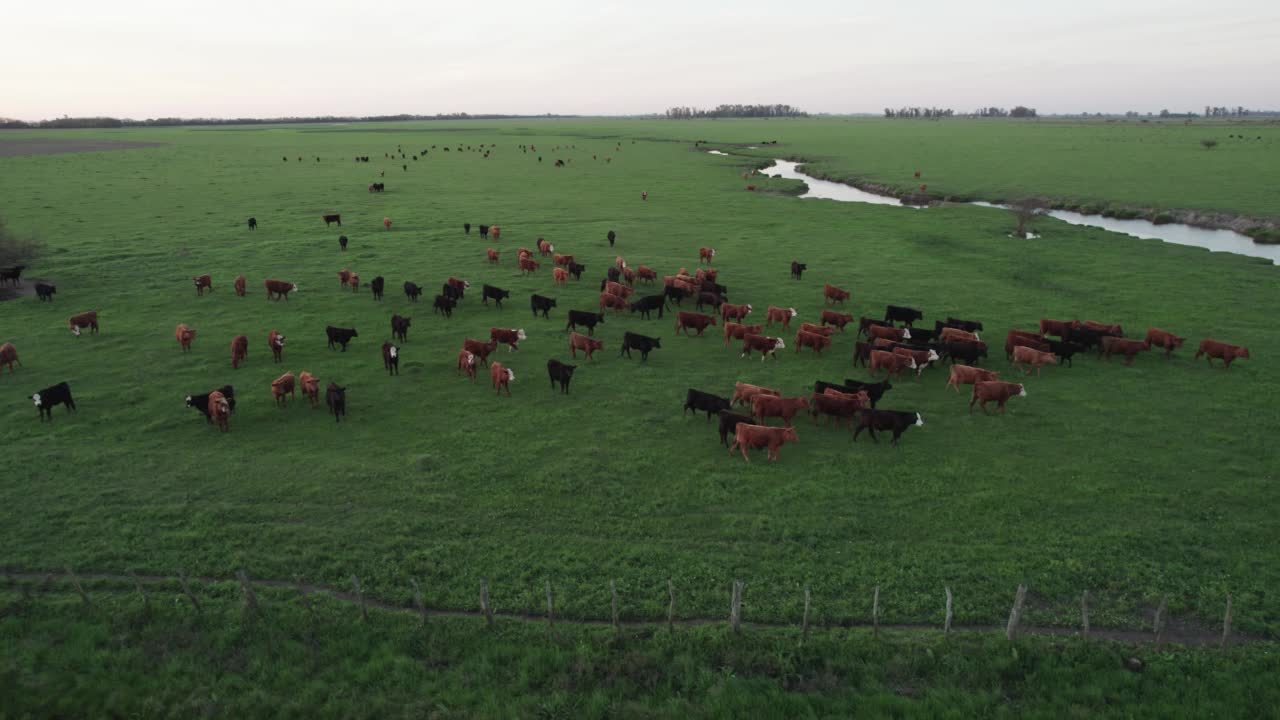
[
  {"x": 28, "y": 289},
  {"x": 1178, "y": 633}
]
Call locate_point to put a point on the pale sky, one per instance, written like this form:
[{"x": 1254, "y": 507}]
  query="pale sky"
[{"x": 270, "y": 58}]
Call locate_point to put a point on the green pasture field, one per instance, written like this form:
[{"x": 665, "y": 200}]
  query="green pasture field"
[{"x": 1136, "y": 483}]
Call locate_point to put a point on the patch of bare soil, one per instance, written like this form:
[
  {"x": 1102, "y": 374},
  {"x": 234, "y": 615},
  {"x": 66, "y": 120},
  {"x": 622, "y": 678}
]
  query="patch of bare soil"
[
  {"x": 28, "y": 289},
  {"x": 18, "y": 147}
]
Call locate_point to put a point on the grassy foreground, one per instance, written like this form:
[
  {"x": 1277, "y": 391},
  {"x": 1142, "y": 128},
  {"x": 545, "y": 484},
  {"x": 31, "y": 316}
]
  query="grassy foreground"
[{"x": 1134, "y": 483}]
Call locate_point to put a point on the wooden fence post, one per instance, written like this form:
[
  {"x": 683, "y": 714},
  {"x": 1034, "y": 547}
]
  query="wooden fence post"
[
  {"x": 1084, "y": 614},
  {"x": 75, "y": 581},
  {"x": 186, "y": 590},
  {"x": 250, "y": 598},
  {"x": 875, "y": 612},
  {"x": 551, "y": 608},
  {"x": 671, "y": 608},
  {"x": 1226, "y": 625},
  {"x": 804, "y": 624},
  {"x": 1015, "y": 615},
  {"x": 946, "y": 622},
  {"x": 417, "y": 601},
  {"x": 735, "y": 607},
  {"x": 484, "y": 602},
  {"x": 364, "y": 610},
  {"x": 1157, "y": 626},
  {"x": 613, "y": 606}
]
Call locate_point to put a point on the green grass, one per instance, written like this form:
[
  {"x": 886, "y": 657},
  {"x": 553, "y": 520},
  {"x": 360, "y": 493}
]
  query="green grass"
[{"x": 1134, "y": 483}]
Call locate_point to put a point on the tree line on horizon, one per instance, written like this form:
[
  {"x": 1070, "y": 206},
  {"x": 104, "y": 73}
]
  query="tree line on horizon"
[
  {"x": 735, "y": 111},
  {"x": 936, "y": 112}
]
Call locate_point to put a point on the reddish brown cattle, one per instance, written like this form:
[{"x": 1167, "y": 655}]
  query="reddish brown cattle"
[
  {"x": 613, "y": 302},
  {"x": 467, "y": 363},
  {"x": 729, "y": 311},
  {"x": 619, "y": 263},
  {"x": 501, "y": 377},
  {"x": 522, "y": 253},
  {"x": 310, "y": 385},
  {"x": 1105, "y": 328},
  {"x": 736, "y": 331},
  {"x": 646, "y": 274},
  {"x": 492, "y": 255},
  {"x": 760, "y": 436},
  {"x": 386, "y": 222},
  {"x": 887, "y": 332},
  {"x": 562, "y": 260},
  {"x": 239, "y": 350},
  {"x": 697, "y": 321},
  {"x": 841, "y": 406},
  {"x": 705, "y": 255},
  {"x": 965, "y": 375},
  {"x": 9, "y": 355},
  {"x": 275, "y": 341},
  {"x": 629, "y": 276},
  {"x": 281, "y": 288},
  {"x": 1000, "y": 392},
  {"x": 890, "y": 363},
  {"x": 782, "y": 315},
  {"x": 822, "y": 330},
  {"x": 1129, "y": 348},
  {"x": 744, "y": 392},
  {"x": 812, "y": 340},
  {"x": 884, "y": 343},
  {"x": 239, "y": 285},
  {"x": 1023, "y": 355},
  {"x": 765, "y": 345},
  {"x": 687, "y": 284},
  {"x": 1225, "y": 352},
  {"x": 85, "y": 319},
  {"x": 183, "y": 334},
  {"x": 767, "y": 406},
  {"x": 1057, "y": 327},
  {"x": 837, "y": 319},
  {"x": 495, "y": 233},
  {"x": 545, "y": 248},
  {"x": 618, "y": 289},
  {"x": 458, "y": 285},
  {"x": 1164, "y": 339},
  {"x": 922, "y": 358},
  {"x": 220, "y": 411},
  {"x": 480, "y": 349},
  {"x": 508, "y": 336},
  {"x": 344, "y": 277},
  {"x": 282, "y": 388},
  {"x": 354, "y": 282},
  {"x": 832, "y": 294},
  {"x": 559, "y": 276},
  {"x": 950, "y": 334},
  {"x": 202, "y": 282},
  {"x": 588, "y": 345},
  {"x": 1022, "y": 338},
  {"x": 528, "y": 265}
]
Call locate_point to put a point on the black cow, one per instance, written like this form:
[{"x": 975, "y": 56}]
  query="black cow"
[
  {"x": 709, "y": 298},
  {"x": 697, "y": 400},
  {"x": 611, "y": 236},
  {"x": 1083, "y": 336},
  {"x": 466, "y": 228},
  {"x": 576, "y": 270},
  {"x": 921, "y": 336},
  {"x": 412, "y": 291},
  {"x": 585, "y": 318},
  {"x": 253, "y": 223},
  {"x": 451, "y": 292},
  {"x": 45, "y": 291},
  {"x": 632, "y": 341},
  {"x": 899, "y": 313},
  {"x": 540, "y": 304},
  {"x": 894, "y": 421},
  {"x": 342, "y": 242},
  {"x": 672, "y": 292},
  {"x": 391, "y": 358},
  {"x": 729, "y": 421},
  {"x": 861, "y": 353},
  {"x": 648, "y": 304},
  {"x": 444, "y": 305},
  {"x": 59, "y": 394},
  {"x": 489, "y": 292},
  {"x": 965, "y": 325},
  {"x": 798, "y": 268},
  {"x": 560, "y": 373},
  {"x": 400, "y": 328},
  {"x": 964, "y": 350},
  {"x": 336, "y": 398},
  {"x": 614, "y": 274},
  {"x": 376, "y": 286},
  {"x": 484, "y": 231},
  {"x": 1063, "y": 349},
  {"x": 330, "y": 218},
  {"x": 341, "y": 336},
  {"x": 200, "y": 401},
  {"x": 875, "y": 391},
  {"x": 12, "y": 275},
  {"x": 712, "y": 286}
]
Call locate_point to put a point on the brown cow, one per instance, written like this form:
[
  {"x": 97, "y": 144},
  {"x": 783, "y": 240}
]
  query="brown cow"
[
  {"x": 275, "y": 341},
  {"x": 618, "y": 289},
  {"x": 386, "y": 222},
  {"x": 282, "y": 388},
  {"x": 744, "y": 392},
  {"x": 838, "y": 405},
  {"x": 1225, "y": 352},
  {"x": 9, "y": 356},
  {"x": 822, "y": 330},
  {"x": 559, "y": 276},
  {"x": 528, "y": 265},
  {"x": 619, "y": 263},
  {"x": 892, "y": 364},
  {"x": 1129, "y": 348},
  {"x": 495, "y": 232},
  {"x": 985, "y": 392},
  {"x": 545, "y": 248},
  {"x": 765, "y": 345},
  {"x": 202, "y": 282},
  {"x": 646, "y": 274},
  {"x": 1023, "y": 355},
  {"x": 492, "y": 255},
  {"x": 1022, "y": 338},
  {"x": 467, "y": 363},
  {"x": 85, "y": 319},
  {"x": 706, "y": 254},
  {"x": 812, "y": 340},
  {"x": 616, "y": 303},
  {"x": 501, "y": 377},
  {"x": 697, "y": 321},
  {"x": 1057, "y": 327},
  {"x": 966, "y": 375},
  {"x": 832, "y": 294},
  {"x": 239, "y": 350},
  {"x": 239, "y": 286},
  {"x": 887, "y": 332},
  {"x": 729, "y": 311},
  {"x": 220, "y": 411},
  {"x": 629, "y": 276},
  {"x": 480, "y": 349},
  {"x": 782, "y": 315},
  {"x": 950, "y": 334},
  {"x": 764, "y": 406},
  {"x": 509, "y": 336},
  {"x": 761, "y": 436},
  {"x": 310, "y": 388},
  {"x": 344, "y": 277},
  {"x": 281, "y": 288},
  {"x": 562, "y": 260},
  {"x": 837, "y": 319},
  {"x": 184, "y": 335},
  {"x": 737, "y": 331},
  {"x": 1164, "y": 339},
  {"x": 588, "y": 345},
  {"x": 1105, "y": 328},
  {"x": 923, "y": 358},
  {"x": 354, "y": 282}
]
